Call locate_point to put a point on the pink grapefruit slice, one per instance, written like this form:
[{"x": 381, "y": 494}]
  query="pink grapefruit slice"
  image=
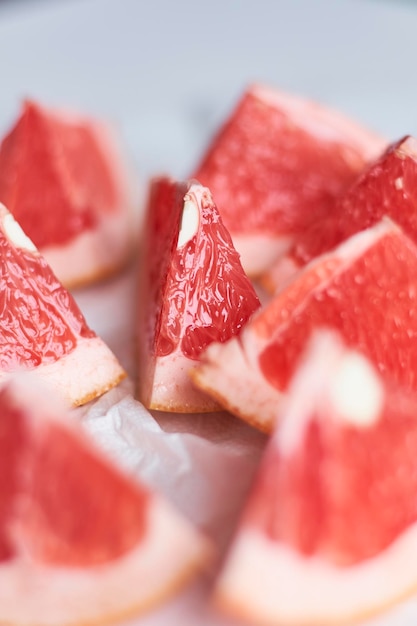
[
  {"x": 64, "y": 180},
  {"x": 329, "y": 533},
  {"x": 193, "y": 291},
  {"x": 365, "y": 288},
  {"x": 41, "y": 326},
  {"x": 277, "y": 165},
  {"x": 79, "y": 541},
  {"x": 387, "y": 187}
]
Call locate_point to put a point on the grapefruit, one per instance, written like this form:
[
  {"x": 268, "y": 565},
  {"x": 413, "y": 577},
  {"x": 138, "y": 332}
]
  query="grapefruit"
[
  {"x": 387, "y": 187},
  {"x": 79, "y": 541},
  {"x": 365, "y": 288},
  {"x": 329, "y": 533},
  {"x": 42, "y": 328},
  {"x": 193, "y": 291},
  {"x": 277, "y": 165},
  {"x": 62, "y": 177}
]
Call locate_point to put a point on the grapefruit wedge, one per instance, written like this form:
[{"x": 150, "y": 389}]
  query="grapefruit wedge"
[
  {"x": 277, "y": 165},
  {"x": 79, "y": 541},
  {"x": 365, "y": 288},
  {"x": 387, "y": 187},
  {"x": 329, "y": 534},
  {"x": 62, "y": 177},
  {"x": 41, "y": 326},
  {"x": 193, "y": 291}
]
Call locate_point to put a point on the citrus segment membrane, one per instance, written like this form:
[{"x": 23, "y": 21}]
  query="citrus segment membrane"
[
  {"x": 386, "y": 187},
  {"x": 79, "y": 540},
  {"x": 277, "y": 164},
  {"x": 193, "y": 291},
  {"x": 42, "y": 327},
  {"x": 63, "y": 179},
  {"x": 366, "y": 283},
  {"x": 330, "y": 525}
]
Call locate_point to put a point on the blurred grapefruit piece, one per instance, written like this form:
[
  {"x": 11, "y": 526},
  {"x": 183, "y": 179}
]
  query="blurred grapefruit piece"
[
  {"x": 387, "y": 187},
  {"x": 62, "y": 177},
  {"x": 41, "y": 326},
  {"x": 329, "y": 534},
  {"x": 365, "y": 288},
  {"x": 79, "y": 541},
  {"x": 277, "y": 165},
  {"x": 193, "y": 291}
]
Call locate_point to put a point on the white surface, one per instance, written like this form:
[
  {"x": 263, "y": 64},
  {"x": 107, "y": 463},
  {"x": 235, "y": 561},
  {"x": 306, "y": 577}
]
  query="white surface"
[{"x": 166, "y": 73}]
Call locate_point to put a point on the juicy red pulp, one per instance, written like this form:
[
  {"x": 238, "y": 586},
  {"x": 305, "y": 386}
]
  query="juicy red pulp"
[
  {"x": 40, "y": 321},
  {"x": 53, "y": 177},
  {"x": 345, "y": 493},
  {"x": 207, "y": 295},
  {"x": 57, "y": 499},
  {"x": 388, "y": 187},
  {"x": 359, "y": 300},
  {"x": 261, "y": 159}
]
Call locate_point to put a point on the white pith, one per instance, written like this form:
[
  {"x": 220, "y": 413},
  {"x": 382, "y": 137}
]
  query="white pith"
[
  {"x": 32, "y": 594},
  {"x": 15, "y": 234},
  {"x": 172, "y": 388},
  {"x": 190, "y": 221},
  {"x": 93, "y": 253},
  {"x": 259, "y": 251},
  {"x": 356, "y": 392},
  {"x": 83, "y": 374},
  {"x": 269, "y": 583}
]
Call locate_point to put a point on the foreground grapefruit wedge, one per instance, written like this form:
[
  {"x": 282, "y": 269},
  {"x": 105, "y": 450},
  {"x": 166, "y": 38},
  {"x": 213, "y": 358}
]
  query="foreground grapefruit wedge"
[
  {"x": 79, "y": 541},
  {"x": 329, "y": 534},
  {"x": 193, "y": 291},
  {"x": 41, "y": 326},
  {"x": 277, "y": 165},
  {"x": 365, "y": 288},
  {"x": 62, "y": 177},
  {"x": 387, "y": 187}
]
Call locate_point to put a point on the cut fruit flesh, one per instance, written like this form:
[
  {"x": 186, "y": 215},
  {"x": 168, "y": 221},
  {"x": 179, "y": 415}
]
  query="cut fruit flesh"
[
  {"x": 366, "y": 283},
  {"x": 277, "y": 165},
  {"x": 85, "y": 543},
  {"x": 329, "y": 534},
  {"x": 65, "y": 182},
  {"x": 42, "y": 327},
  {"x": 385, "y": 188},
  {"x": 193, "y": 292}
]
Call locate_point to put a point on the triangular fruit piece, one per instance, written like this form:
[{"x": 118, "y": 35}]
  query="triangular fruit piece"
[
  {"x": 80, "y": 542},
  {"x": 386, "y": 187},
  {"x": 277, "y": 165},
  {"x": 62, "y": 177},
  {"x": 41, "y": 326},
  {"x": 329, "y": 532},
  {"x": 365, "y": 288},
  {"x": 193, "y": 292}
]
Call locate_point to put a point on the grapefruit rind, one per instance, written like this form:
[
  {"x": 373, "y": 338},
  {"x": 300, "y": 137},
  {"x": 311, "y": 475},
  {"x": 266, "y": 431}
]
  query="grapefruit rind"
[
  {"x": 191, "y": 298},
  {"x": 170, "y": 554},
  {"x": 37, "y": 591},
  {"x": 269, "y": 583},
  {"x": 260, "y": 244},
  {"x": 231, "y": 373},
  {"x": 93, "y": 253},
  {"x": 172, "y": 389},
  {"x": 84, "y": 374},
  {"x": 227, "y": 374}
]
